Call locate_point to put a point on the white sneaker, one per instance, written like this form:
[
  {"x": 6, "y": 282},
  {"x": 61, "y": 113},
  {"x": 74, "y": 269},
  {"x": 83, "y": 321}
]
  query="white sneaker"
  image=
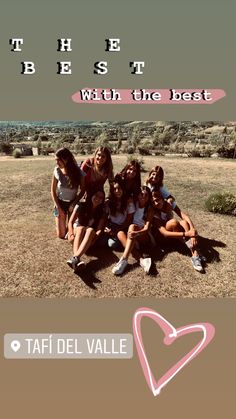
[
  {"x": 120, "y": 267},
  {"x": 72, "y": 263},
  {"x": 197, "y": 264},
  {"x": 145, "y": 263},
  {"x": 80, "y": 264}
]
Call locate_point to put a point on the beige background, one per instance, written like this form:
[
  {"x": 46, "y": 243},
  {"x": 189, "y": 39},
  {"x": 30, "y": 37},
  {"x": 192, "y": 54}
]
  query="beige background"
[
  {"x": 117, "y": 388},
  {"x": 184, "y": 43}
]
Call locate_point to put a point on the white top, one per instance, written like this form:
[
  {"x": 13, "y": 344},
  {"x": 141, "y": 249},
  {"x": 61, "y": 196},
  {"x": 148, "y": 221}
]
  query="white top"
[
  {"x": 120, "y": 217},
  {"x": 64, "y": 192},
  {"x": 139, "y": 216}
]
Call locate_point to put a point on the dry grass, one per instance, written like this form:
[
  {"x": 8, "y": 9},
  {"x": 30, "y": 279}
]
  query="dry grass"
[{"x": 33, "y": 260}]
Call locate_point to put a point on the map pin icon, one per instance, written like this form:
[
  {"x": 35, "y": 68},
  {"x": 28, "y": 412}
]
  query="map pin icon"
[{"x": 15, "y": 345}]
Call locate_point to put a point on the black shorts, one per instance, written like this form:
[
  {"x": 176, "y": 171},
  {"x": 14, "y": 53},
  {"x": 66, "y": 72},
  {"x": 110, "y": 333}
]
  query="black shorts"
[
  {"x": 64, "y": 205},
  {"x": 115, "y": 228}
]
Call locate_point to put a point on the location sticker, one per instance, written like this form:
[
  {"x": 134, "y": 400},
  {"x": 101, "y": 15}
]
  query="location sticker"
[{"x": 15, "y": 345}]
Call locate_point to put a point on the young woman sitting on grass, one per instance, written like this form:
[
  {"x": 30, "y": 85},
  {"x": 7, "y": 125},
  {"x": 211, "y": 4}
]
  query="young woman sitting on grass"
[
  {"x": 119, "y": 210},
  {"x": 67, "y": 179},
  {"x": 85, "y": 226},
  {"x": 132, "y": 178},
  {"x": 171, "y": 228},
  {"x": 137, "y": 232},
  {"x": 155, "y": 183},
  {"x": 97, "y": 170}
]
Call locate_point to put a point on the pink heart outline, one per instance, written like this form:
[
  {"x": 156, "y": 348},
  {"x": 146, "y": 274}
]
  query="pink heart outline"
[{"x": 170, "y": 335}]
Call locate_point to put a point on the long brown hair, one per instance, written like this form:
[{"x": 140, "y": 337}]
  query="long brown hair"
[
  {"x": 71, "y": 166},
  {"x": 112, "y": 199},
  {"x": 160, "y": 173},
  {"x": 107, "y": 168},
  {"x": 136, "y": 182},
  {"x": 145, "y": 188},
  {"x": 147, "y": 207}
]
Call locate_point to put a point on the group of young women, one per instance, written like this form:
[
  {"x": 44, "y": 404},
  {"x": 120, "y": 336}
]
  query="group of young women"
[{"x": 131, "y": 216}]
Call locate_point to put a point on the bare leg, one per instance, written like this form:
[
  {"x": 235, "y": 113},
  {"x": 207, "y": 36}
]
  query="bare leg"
[
  {"x": 61, "y": 225},
  {"x": 122, "y": 237},
  {"x": 173, "y": 225},
  {"x": 129, "y": 244},
  {"x": 86, "y": 242},
  {"x": 185, "y": 225},
  {"x": 79, "y": 235},
  {"x": 194, "y": 240},
  {"x": 129, "y": 247},
  {"x": 194, "y": 247}
]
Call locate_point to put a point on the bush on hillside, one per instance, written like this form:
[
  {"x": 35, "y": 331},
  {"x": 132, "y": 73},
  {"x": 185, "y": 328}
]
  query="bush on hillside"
[
  {"x": 17, "y": 153},
  {"x": 222, "y": 203},
  {"x": 5, "y": 147}
]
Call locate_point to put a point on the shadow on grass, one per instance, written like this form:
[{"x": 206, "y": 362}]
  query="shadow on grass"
[
  {"x": 88, "y": 277},
  {"x": 104, "y": 259},
  {"x": 206, "y": 248}
]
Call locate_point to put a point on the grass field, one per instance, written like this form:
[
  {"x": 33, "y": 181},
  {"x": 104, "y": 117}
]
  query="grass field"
[{"x": 33, "y": 261}]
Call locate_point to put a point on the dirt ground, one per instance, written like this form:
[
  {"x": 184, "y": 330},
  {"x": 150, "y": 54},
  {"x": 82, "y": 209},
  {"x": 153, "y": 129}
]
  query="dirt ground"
[{"x": 33, "y": 261}]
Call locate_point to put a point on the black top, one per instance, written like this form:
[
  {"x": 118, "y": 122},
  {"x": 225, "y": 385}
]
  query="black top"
[{"x": 87, "y": 216}]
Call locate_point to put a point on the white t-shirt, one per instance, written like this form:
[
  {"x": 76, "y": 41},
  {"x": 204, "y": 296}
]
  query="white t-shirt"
[
  {"x": 64, "y": 192},
  {"x": 139, "y": 217},
  {"x": 120, "y": 217}
]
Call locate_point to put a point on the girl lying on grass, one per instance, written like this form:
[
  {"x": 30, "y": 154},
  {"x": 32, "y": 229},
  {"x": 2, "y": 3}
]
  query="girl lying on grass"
[
  {"x": 89, "y": 218},
  {"x": 171, "y": 228},
  {"x": 67, "y": 178},
  {"x": 137, "y": 232},
  {"x": 119, "y": 210},
  {"x": 155, "y": 183}
]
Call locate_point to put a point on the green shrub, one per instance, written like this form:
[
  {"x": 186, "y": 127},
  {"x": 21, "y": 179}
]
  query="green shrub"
[
  {"x": 102, "y": 140},
  {"x": 79, "y": 147},
  {"x": 222, "y": 203},
  {"x": 6, "y": 148},
  {"x": 17, "y": 153},
  {"x": 226, "y": 152},
  {"x": 44, "y": 151},
  {"x": 194, "y": 153},
  {"x": 128, "y": 149},
  {"x": 144, "y": 151}
]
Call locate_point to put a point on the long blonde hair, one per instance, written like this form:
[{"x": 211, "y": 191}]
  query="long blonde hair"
[{"x": 107, "y": 167}]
